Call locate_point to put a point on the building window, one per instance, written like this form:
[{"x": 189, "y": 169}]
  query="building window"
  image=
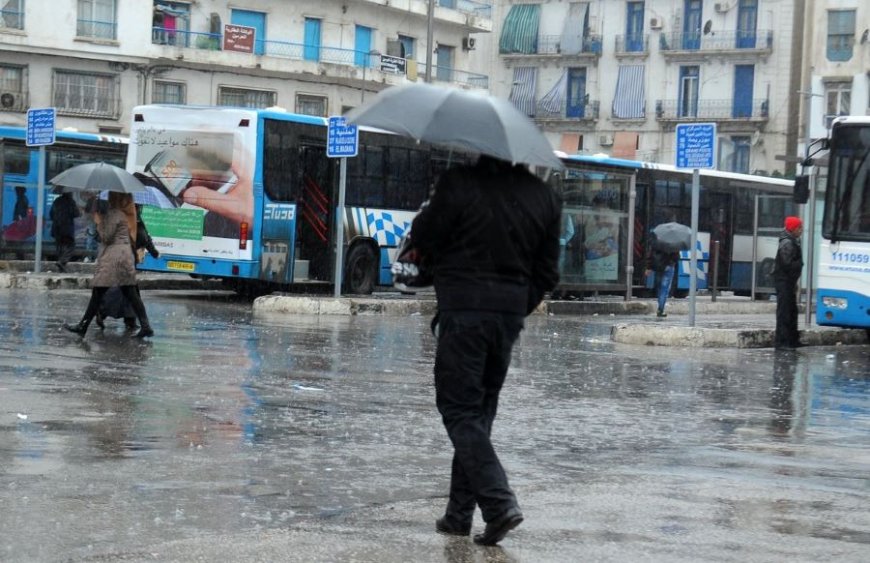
[
  {"x": 12, "y": 14},
  {"x": 97, "y": 19},
  {"x": 689, "y": 91},
  {"x": 244, "y": 98},
  {"x": 838, "y": 100},
  {"x": 841, "y": 34},
  {"x": 78, "y": 93},
  {"x": 740, "y": 156},
  {"x": 407, "y": 46},
  {"x": 12, "y": 91},
  {"x": 166, "y": 92},
  {"x": 311, "y": 105},
  {"x": 170, "y": 24}
]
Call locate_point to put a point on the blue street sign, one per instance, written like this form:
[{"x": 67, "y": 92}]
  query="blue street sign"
[
  {"x": 40, "y": 126},
  {"x": 342, "y": 140},
  {"x": 696, "y": 145}
]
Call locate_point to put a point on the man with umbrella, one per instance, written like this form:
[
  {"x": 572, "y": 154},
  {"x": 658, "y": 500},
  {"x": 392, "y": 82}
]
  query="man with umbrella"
[{"x": 667, "y": 240}]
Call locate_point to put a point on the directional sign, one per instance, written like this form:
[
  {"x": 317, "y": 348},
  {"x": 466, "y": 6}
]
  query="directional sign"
[
  {"x": 342, "y": 140},
  {"x": 40, "y": 126},
  {"x": 696, "y": 145}
]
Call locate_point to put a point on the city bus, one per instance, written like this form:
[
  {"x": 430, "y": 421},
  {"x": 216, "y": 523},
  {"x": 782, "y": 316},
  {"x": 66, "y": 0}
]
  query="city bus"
[
  {"x": 612, "y": 204},
  {"x": 19, "y": 173},
  {"x": 843, "y": 283},
  {"x": 249, "y": 196}
]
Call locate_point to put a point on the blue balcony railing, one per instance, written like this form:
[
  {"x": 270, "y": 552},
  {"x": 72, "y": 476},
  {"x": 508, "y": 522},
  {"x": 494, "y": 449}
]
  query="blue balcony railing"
[
  {"x": 96, "y": 29},
  {"x": 192, "y": 39},
  {"x": 552, "y": 45},
  {"x": 564, "y": 110},
  {"x": 713, "y": 109},
  {"x": 718, "y": 41},
  {"x": 11, "y": 19}
]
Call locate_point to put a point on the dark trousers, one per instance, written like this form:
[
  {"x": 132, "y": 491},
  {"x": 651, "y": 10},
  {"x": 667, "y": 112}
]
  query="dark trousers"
[
  {"x": 131, "y": 293},
  {"x": 65, "y": 247},
  {"x": 474, "y": 352},
  {"x": 786, "y": 313}
]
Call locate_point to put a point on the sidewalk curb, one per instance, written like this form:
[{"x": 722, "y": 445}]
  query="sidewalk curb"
[{"x": 699, "y": 337}]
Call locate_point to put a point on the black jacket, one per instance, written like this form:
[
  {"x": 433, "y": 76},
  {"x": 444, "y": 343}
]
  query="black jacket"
[
  {"x": 63, "y": 213},
  {"x": 789, "y": 261},
  {"x": 492, "y": 232},
  {"x": 658, "y": 259}
]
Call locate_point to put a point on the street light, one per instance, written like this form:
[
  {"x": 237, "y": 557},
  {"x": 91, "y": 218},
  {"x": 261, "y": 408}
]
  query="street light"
[{"x": 365, "y": 66}]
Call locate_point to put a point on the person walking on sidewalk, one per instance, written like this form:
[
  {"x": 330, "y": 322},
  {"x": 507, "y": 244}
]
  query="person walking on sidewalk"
[
  {"x": 63, "y": 215},
  {"x": 115, "y": 264},
  {"x": 662, "y": 263},
  {"x": 786, "y": 272},
  {"x": 492, "y": 233}
]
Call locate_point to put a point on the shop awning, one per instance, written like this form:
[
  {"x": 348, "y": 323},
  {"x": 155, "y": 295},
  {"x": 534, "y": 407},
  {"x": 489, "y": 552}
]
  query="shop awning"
[{"x": 520, "y": 31}]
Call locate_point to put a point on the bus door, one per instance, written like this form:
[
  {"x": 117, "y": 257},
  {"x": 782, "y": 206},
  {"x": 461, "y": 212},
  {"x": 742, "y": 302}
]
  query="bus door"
[
  {"x": 770, "y": 212},
  {"x": 719, "y": 210},
  {"x": 314, "y": 224}
]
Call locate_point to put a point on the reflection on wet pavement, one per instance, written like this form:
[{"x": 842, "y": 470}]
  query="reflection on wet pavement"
[{"x": 224, "y": 423}]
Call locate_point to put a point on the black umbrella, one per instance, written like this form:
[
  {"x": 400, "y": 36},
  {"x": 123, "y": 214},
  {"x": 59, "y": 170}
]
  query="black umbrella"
[{"x": 672, "y": 237}]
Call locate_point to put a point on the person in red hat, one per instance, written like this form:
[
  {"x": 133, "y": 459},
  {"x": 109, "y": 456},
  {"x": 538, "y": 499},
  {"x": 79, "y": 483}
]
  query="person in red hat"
[{"x": 786, "y": 273}]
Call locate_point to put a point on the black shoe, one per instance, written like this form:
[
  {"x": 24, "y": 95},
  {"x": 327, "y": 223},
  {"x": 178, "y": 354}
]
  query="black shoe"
[
  {"x": 99, "y": 320},
  {"x": 496, "y": 530},
  {"x": 446, "y": 526},
  {"x": 661, "y": 314},
  {"x": 79, "y": 329},
  {"x": 130, "y": 324},
  {"x": 144, "y": 332}
]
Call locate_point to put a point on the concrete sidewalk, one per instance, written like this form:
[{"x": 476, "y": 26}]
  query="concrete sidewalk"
[{"x": 723, "y": 323}]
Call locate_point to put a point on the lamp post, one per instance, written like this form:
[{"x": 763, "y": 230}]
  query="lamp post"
[{"x": 365, "y": 66}]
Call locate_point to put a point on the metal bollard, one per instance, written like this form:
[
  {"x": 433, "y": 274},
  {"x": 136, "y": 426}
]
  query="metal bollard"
[{"x": 715, "y": 257}]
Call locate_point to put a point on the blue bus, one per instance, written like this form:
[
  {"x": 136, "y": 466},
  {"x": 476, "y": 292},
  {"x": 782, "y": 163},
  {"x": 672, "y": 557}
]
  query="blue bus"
[
  {"x": 249, "y": 196},
  {"x": 843, "y": 286},
  {"x": 19, "y": 172},
  {"x": 612, "y": 204}
]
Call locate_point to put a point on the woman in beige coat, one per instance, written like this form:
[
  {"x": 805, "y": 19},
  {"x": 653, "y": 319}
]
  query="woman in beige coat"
[{"x": 115, "y": 264}]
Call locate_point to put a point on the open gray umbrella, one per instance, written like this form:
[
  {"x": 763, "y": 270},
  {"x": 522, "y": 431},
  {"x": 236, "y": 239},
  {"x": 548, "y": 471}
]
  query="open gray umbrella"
[
  {"x": 97, "y": 177},
  {"x": 458, "y": 118},
  {"x": 672, "y": 237}
]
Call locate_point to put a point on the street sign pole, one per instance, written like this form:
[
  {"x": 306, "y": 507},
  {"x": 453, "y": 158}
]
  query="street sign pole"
[
  {"x": 40, "y": 132},
  {"x": 696, "y": 148},
  {"x": 693, "y": 253},
  {"x": 339, "y": 227},
  {"x": 342, "y": 141}
]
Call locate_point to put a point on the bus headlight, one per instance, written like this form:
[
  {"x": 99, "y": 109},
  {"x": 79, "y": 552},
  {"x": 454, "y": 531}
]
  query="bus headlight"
[{"x": 835, "y": 302}]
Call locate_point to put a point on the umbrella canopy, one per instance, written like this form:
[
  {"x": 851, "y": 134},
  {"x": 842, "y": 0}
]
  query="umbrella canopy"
[
  {"x": 460, "y": 119},
  {"x": 672, "y": 237},
  {"x": 148, "y": 196},
  {"x": 97, "y": 177}
]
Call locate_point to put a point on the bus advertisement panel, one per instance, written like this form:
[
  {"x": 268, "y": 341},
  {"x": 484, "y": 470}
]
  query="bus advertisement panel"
[{"x": 198, "y": 168}]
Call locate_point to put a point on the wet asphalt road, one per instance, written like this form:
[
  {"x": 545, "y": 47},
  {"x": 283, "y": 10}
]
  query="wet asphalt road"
[{"x": 228, "y": 437}]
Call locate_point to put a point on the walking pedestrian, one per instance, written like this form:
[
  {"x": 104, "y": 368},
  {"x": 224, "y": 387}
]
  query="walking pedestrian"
[
  {"x": 492, "y": 232},
  {"x": 662, "y": 263},
  {"x": 63, "y": 214},
  {"x": 115, "y": 264},
  {"x": 786, "y": 272}
]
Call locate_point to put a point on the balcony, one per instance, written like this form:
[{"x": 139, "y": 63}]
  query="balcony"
[
  {"x": 632, "y": 45},
  {"x": 718, "y": 110},
  {"x": 470, "y": 16},
  {"x": 682, "y": 45},
  {"x": 186, "y": 39},
  {"x": 554, "y": 114},
  {"x": 549, "y": 47},
  {"x": 482, "y": 9}
]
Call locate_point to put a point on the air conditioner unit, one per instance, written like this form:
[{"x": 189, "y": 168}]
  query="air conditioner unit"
[
  {"x": 655, "y": 23},
  {"x": 468, "y": 43},
  {"x": 605, "y": 140},
  {"x": 720, "y": 7},
  {"x": 10, "y": 100}
]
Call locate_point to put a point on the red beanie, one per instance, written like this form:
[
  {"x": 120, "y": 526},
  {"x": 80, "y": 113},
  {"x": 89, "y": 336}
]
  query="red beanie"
[{"x": 792, "y": 223}]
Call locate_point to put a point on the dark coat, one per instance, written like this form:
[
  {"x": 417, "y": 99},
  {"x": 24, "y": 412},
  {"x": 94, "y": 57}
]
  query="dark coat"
[
  {"x": 63, "y": 213},
  {"x": 789, "y": 260},
  {"x": 658, "y": 259},
  {"x": 115, "y": 264},
  {"x": 492, "y": 232}
]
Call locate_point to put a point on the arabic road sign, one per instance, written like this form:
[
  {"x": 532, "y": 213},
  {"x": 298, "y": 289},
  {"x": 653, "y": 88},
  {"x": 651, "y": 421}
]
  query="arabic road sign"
[
  {"x": 342, "y": 140},
  {"x": 696, "y": 145},
  {"x": 40, "y": 126}
]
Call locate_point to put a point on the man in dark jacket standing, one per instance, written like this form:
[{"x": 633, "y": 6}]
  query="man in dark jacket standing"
[
  {"x": 786, "y": 273},
  {"x": 492, "y": 233},
  {"x": 63, "y": 214}
]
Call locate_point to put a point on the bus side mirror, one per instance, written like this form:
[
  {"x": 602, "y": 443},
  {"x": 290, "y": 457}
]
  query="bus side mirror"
[{"x": 801, "y": 189}]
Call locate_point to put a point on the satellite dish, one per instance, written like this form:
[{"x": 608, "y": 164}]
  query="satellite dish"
[{"x": 708, "y": 26}]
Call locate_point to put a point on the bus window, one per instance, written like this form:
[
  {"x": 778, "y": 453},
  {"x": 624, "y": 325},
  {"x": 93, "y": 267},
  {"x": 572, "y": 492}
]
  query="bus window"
[
  {"x": 280, "y": 161},
  {"x": 16, "y": 159}
]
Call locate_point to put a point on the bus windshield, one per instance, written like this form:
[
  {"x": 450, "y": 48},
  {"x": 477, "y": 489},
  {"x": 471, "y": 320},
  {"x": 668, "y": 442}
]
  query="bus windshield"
[{"x": 847, "y": 202}]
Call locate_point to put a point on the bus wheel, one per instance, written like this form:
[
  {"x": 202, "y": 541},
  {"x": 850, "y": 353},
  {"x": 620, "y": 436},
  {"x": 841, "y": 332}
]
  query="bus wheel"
[{"x": 360, "y": 273}]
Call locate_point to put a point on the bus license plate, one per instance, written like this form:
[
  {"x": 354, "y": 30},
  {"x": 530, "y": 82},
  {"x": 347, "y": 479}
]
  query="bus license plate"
[{"x": 180, "y": 266}]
